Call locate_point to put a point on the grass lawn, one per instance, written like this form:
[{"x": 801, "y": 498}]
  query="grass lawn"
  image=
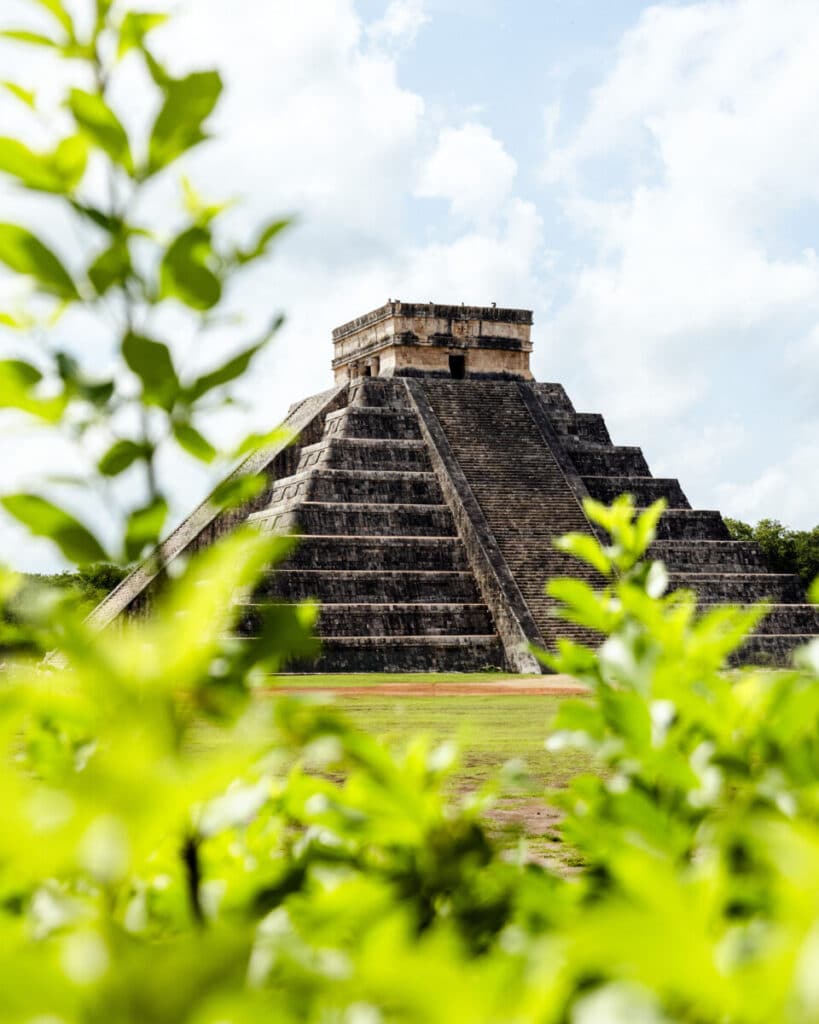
[{"x": 490, "y": 730}]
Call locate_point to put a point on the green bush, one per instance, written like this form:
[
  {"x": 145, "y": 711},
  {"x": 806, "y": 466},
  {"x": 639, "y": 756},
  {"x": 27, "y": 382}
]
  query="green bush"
[{"x": 179, "y": 848}]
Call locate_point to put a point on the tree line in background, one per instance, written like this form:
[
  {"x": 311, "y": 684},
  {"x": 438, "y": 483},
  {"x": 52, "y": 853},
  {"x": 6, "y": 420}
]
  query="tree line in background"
[
  {"x": 182, "y": 845},
  {"x": 786, "y": 550}
]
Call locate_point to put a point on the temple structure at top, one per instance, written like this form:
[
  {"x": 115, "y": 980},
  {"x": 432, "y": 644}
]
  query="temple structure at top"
[
  {"x": 407, "y": 339},
  {"x": 428, "y": 486}
]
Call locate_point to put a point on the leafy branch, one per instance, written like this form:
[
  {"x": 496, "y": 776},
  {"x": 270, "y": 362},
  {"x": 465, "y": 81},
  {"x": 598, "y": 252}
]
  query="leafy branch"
[{"x": 131, "y": 268}]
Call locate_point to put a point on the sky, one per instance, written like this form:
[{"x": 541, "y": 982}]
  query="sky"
[{"x": 644, "y": 177}]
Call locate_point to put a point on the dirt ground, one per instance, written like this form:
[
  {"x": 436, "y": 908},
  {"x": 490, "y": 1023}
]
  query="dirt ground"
[{"x": 545, "y": 686}]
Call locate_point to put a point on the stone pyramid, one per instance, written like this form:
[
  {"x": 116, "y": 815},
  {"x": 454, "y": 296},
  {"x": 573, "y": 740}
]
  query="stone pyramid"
[{"x": 428, "y": 486}]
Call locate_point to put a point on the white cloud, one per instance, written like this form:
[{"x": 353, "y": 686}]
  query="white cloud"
[
  {"x": 478, "y": 267},
  {"x": 689, "y": 181},
  {"x": 471, "y": 169},
  {"x": 697, "y": 456},
  {"x": 400, "y": 24},
  {"x": 787, "y": 490}
]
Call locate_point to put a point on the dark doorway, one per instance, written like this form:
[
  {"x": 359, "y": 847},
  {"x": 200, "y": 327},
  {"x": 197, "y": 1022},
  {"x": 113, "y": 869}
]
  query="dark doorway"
[{"x": 457, "y": 367}]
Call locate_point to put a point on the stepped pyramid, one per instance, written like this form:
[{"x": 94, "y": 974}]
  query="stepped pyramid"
[{"x": 428, "y": 486}]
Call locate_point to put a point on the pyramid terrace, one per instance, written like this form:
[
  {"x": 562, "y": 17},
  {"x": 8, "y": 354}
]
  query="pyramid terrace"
[{"x": 428, "y": 486}]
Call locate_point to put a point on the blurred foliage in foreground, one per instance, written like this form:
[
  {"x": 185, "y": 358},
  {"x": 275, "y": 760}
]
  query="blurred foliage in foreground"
[
  {"x": 176, "y": 850},
  {"x": 180, "y": 848},
  {"x": 791, "y": 551}
]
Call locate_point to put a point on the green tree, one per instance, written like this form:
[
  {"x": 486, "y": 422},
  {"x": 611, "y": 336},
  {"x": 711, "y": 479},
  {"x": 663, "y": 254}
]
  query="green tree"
[{"x": 786, "y": 550}]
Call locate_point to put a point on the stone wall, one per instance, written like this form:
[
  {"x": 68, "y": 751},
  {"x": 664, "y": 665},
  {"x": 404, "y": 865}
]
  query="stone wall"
[{"x": 402, "y": 339}]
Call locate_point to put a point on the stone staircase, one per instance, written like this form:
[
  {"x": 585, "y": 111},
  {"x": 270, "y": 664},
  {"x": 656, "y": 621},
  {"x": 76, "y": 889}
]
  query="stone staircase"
[
  {"x": 519, "y": 485},
  {"x": 694, "y": 544},
  {"x": 378, "y": 549}
]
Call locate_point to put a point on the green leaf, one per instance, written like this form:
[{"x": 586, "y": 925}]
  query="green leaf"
[
  {"x": 111, "y": 267},
  {"x": 253, "y": 442},
  {"x": 44, "y": 519},
  {"x": 97, "y": 392},
  {"x": 262, "y": 243},
  {"x": 18, "y": 381},
  {"x": 144, "y": 527},
  {"x": 31, "y": 38},
  {"x": 238, "y": 490},
  {"x": 185, "y": 274},
  {"x": 582, "y": 604},
  {"x": 179, "y": 126},
  {"x": 15, "y": 322},
  {"x": 235, "y": 367},
  {"x": 135, "y": 27},
  {"x": 587, "y": 549},
  {"x": 58, "y": 10},
  {"x": 157, "y": 71},
  {"x": 27, "y": 96},
  {"x": 25, "y": 254},
  {"x": 27, "y": 166},
  {"x": 813, "y": 591},
  {"x": 102, "y": 126},
  {"x": 25, "y": 373},
  {"x": 646, "y": 525},
  {"x": 201, "y": 212},
  {"x": 58, "y": 172},
  {"x": 69, "y": 161},
  {"x": 151, "y": 361},
  {"x": 194, "y": 443},
  {"x": 103, "y": 220},
  {"x": 121, "y": 456}
]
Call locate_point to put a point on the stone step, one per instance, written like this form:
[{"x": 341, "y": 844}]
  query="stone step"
[
  {"x": 604, "y": 460},
  {"x": 791, "y": 618},
  {"x": 725, "y": 556},
  {"x": 340, "y": 553},
  {"x": 739, "y": 588},
  {"x": 644, "y": 489},
  {"x": 381, "y": 392},
  {"x": 553, "y": 396},
  {"x": 361, "y": 453},
  {"x": 591, "y": 426},
  {"x": 410, "y": 654},
  {"x": 379, "y": 619},
  {"x": 371, "y": 586},
  {"x": 372, "y": 422},
  {"x": 583, "y": 426},
  {"x": 770, "y": 649},
  {"x": 691, "y": 524},
  {"x": 363, "y": 486},
  {"x": 359, "y": 519}
]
